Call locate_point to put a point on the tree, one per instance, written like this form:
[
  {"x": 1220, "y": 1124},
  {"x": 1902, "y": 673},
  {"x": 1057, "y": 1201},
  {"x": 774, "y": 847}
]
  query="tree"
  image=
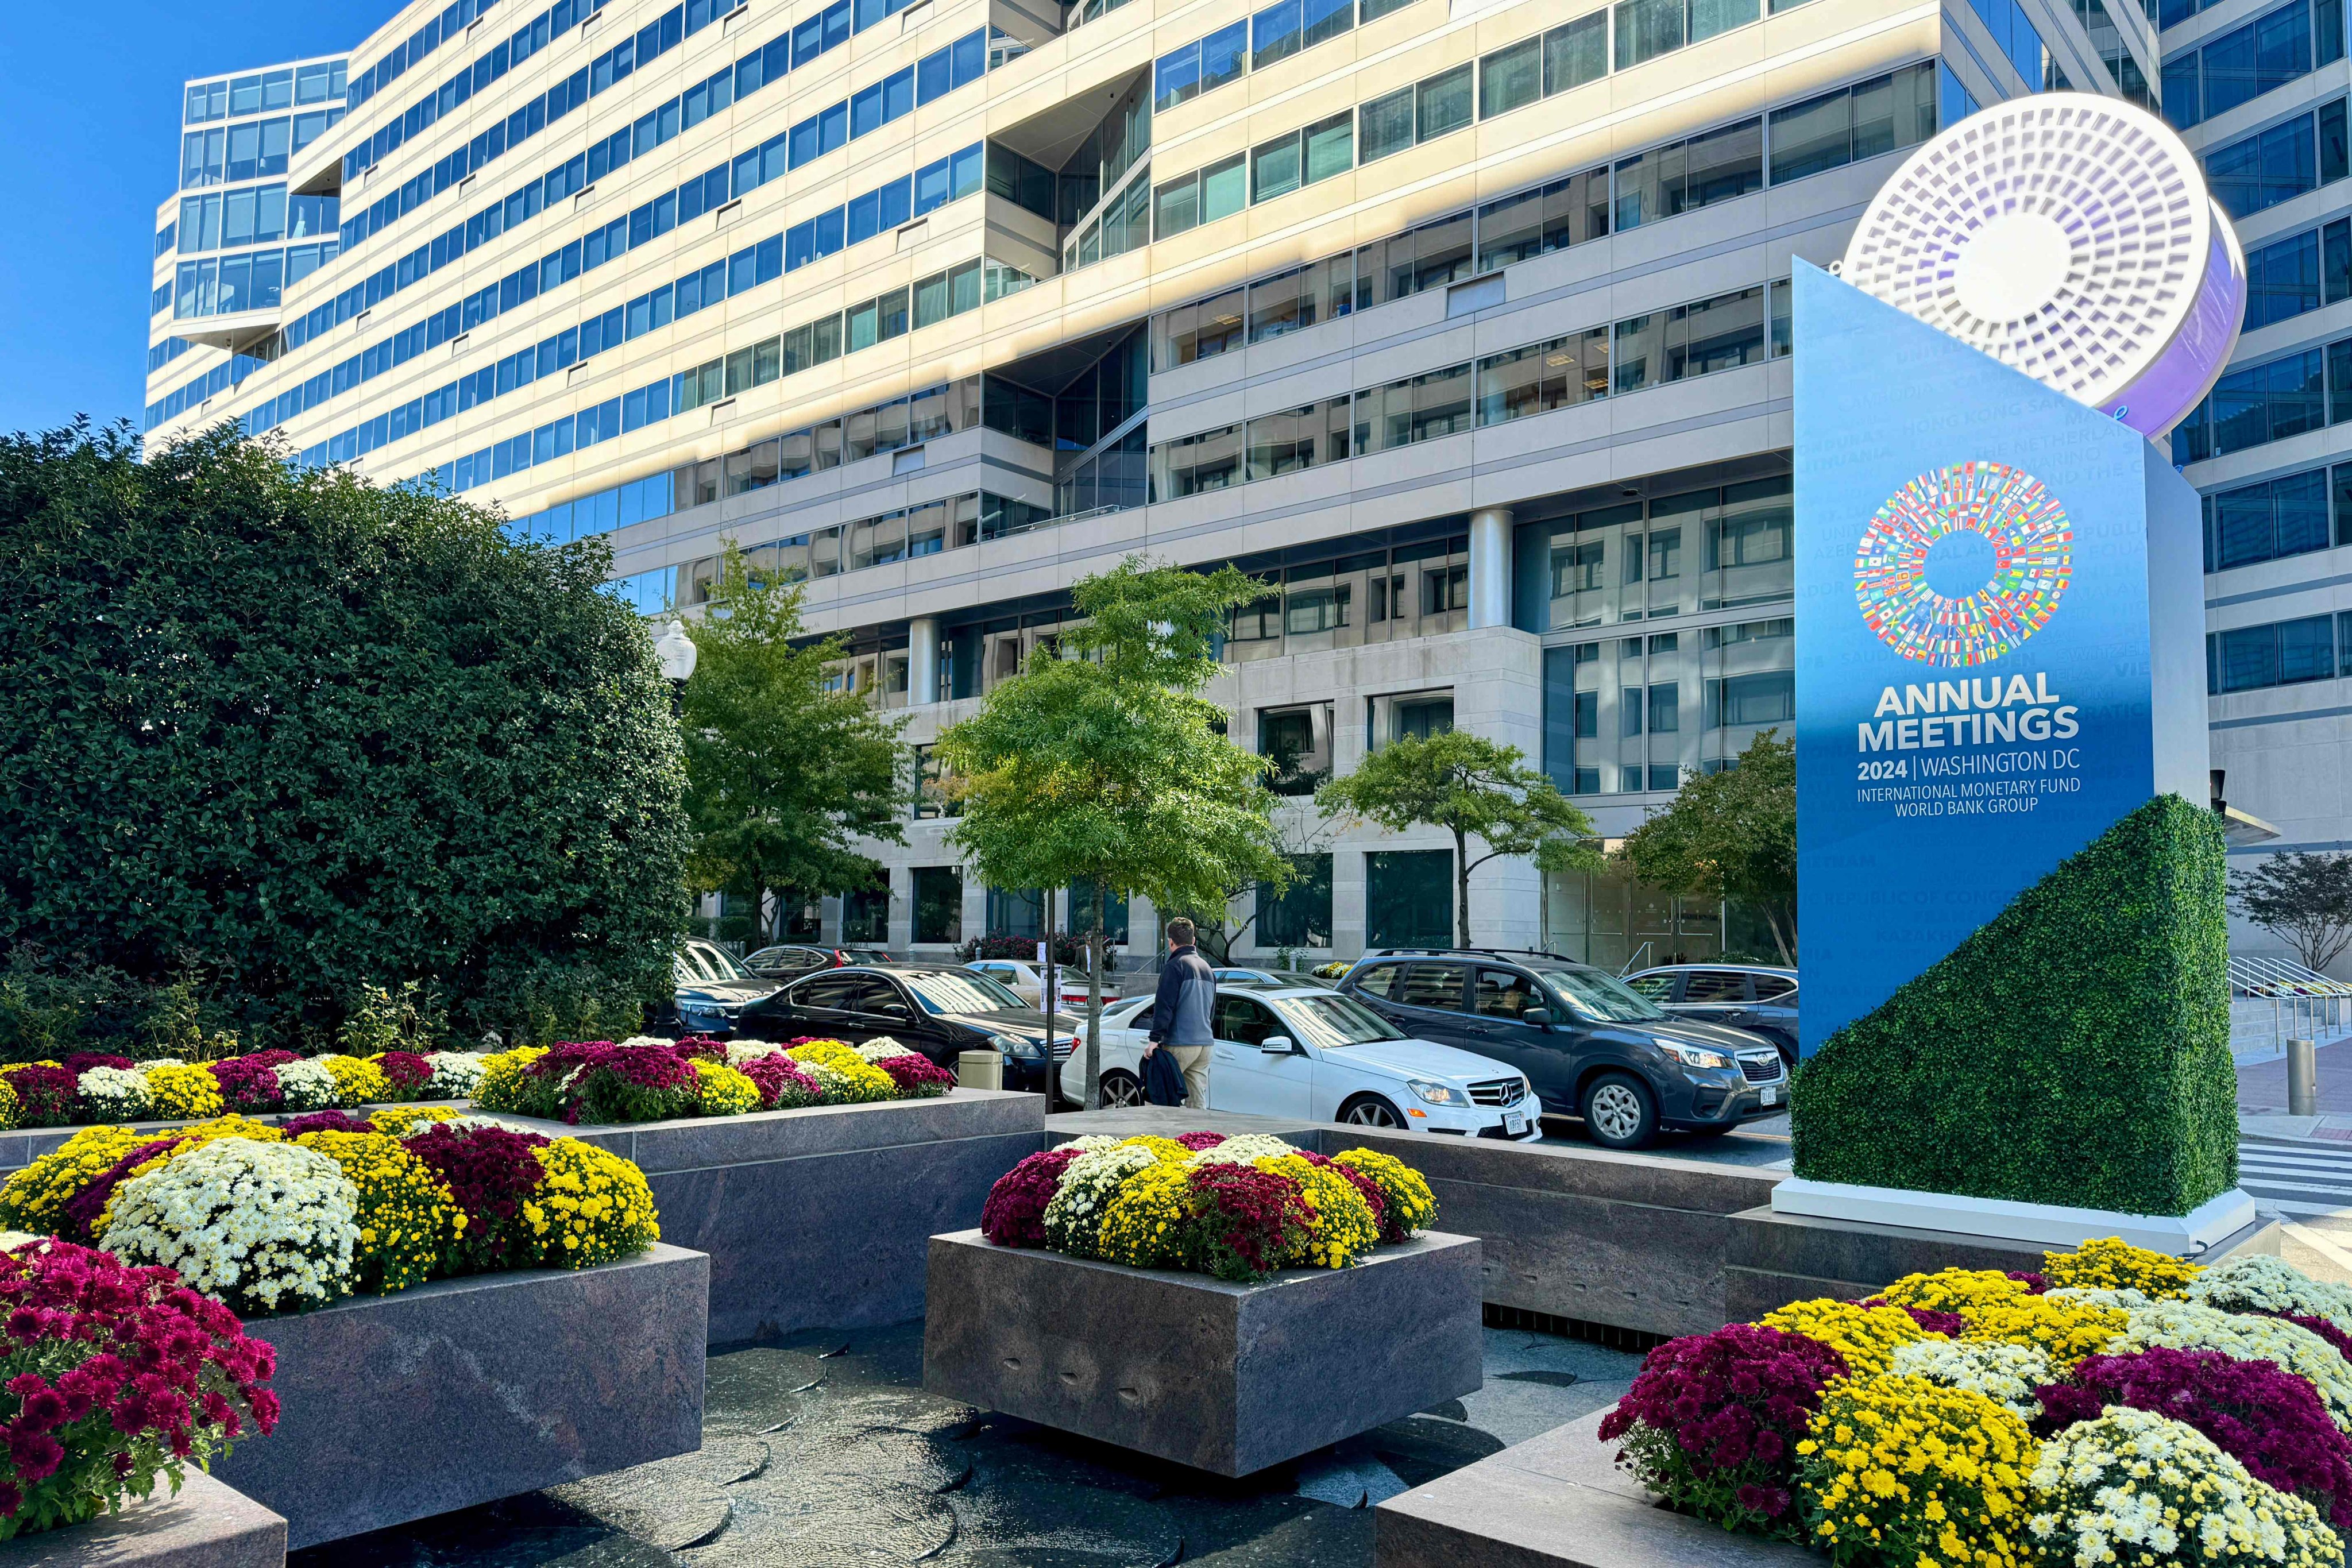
[
  {"x": 287, "y": 736},
  {"x": 1101, "y": 764},
  {"x": 2304, "y": 898},
  {"x": 1298, "y": 837},
  {"x": 1730, "y": 835},
  {"x": 782, "y": 774},
  {"x": 1474, "y": 788}
]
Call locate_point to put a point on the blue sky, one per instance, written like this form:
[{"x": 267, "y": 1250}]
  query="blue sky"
[{"x": 88, "y": 146}]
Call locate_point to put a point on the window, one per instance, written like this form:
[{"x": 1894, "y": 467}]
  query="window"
[
  {"x": 1208, "y": 461},
  {"x": 1542, "y": 377},
  {"x": 1385, "y": 125},
  {"x": 1409, "y": 902},
  {"x": 2283, "y": 653},
  {"x": 1299, "y": 438},
  {"x": 1687, "y": 175},
  {"x": 2242, "y": 63},
  {"x": 1378, "y": 979},
  {"x": 1436, "y": 985},
  {"x": 939, "y": 903},
  {"x": 1646, "y": 29},
  {"x": 1543, "y": 218},
  {"x": 1418, "y": 719},
  {"x": 2280, "y": 517},
  {"x": 1510, "y": 78},
  {"x": 1442, "y": 104},
  {"x": 1576, "y": 53},
  {"x": 2272, "y": 166},
  {"x": 1504, "y": 993},
  {"x": 1300, "y": 915}
]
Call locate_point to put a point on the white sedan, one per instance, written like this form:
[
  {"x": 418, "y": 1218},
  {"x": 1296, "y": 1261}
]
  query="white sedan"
[{"x": 1310, "y": 1054}]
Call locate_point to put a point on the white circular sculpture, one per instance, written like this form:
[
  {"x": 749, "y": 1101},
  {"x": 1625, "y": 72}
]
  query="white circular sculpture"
[{"x": 2070, "y": 236}]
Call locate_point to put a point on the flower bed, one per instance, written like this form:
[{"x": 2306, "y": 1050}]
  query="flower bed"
[
  {"x": 2116, "y": 1406},
  {"x": 646, "y": 1079},
  {"x": 286, "y": 1218},
  {"x": 90, "y": 1089},
  {"x": 1238, "y": 1209}
]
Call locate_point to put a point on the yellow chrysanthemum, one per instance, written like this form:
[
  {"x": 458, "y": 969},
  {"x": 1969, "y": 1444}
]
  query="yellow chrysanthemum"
[
  {"x": 1344, "y": 1227},
  {"x": 725, "y": 1092},
  {"x": 501, "y": 1085},
  {"x": 1412, "y": 1206},
  {"x": 1143, "y": 1225},
  {"x": 409, "y": 1223},
  {"x": 400, "y": 1121},
  {"x": 2112, "y": 1262},
  {"x": 1865, "y": 1336},
  {"x": 182, "y": 1092},
  {"x": 2067, "y": 1332},
  {"x": 1924, "y": 1473},
  {"x": 357, "y": 1082},
  {"x": 593, "y": 1207}
]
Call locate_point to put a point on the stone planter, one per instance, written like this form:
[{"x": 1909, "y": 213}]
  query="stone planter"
[
  {"x": 207, "y": 1525},
  {"x": 20, "y": 1146},
  {"x": 821, "y": 1217},
  {"x": 464, "y": 1391},
  {"x": 1226, "y": 1378},
  {"x": 1558, "y": 1502}
]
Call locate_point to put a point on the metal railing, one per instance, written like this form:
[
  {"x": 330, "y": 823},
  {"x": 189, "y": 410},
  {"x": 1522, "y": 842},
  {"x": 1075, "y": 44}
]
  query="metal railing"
[{"x": 2294, "y": 1002}]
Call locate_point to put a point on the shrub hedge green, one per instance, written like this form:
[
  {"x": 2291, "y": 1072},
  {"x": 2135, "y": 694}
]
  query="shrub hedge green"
[{"x": 2074, "y": 1050}]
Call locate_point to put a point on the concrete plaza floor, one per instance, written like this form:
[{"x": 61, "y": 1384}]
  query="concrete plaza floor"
[{"x": 824, "y": 1452}]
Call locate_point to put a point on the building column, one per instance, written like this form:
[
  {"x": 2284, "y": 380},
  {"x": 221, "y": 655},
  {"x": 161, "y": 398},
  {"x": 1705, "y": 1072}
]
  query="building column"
[
  {"x": 1490, "y": 566},
  {"x": 923, "y": 661}
]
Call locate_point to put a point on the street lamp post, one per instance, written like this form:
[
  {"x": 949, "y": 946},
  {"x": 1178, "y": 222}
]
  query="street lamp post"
[{"x": 674, "y": 652}]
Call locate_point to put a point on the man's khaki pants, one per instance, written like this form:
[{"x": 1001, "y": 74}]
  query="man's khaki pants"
[{"x": 1193, "y": 1062}]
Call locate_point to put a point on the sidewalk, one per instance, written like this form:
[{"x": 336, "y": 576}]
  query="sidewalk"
[{"x": 2262, "y": 1098}]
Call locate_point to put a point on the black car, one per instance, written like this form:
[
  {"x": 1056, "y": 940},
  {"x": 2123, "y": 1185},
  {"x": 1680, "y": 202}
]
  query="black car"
[
  {"x": 791, "y": 960},
  {"x": 1590, "y": 1046},
  {"x": 935, "y": 1009},
  {"x": 1755, "y": 997}
]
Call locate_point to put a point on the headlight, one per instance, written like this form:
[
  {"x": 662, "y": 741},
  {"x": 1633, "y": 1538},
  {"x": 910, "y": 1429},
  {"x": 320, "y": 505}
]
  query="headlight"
[
  {"x": 1692, "y": 1056},
  {"x": 1017, "y": 1046},
  {"x": 1437, "y": 1094}
]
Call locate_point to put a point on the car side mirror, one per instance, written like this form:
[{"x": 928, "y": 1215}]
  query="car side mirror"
[
  {"x": 1540, "y": 1016},
  {"x": 1277, "y": 1045}
]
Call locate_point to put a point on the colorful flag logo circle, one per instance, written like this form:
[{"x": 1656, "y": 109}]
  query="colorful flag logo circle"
[{"x": 2032, "y": 545}]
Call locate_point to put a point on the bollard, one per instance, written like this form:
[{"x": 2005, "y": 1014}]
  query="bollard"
[
  {"x": 980, "y": 1069},
  {"x": 2302, "y": 1079}
]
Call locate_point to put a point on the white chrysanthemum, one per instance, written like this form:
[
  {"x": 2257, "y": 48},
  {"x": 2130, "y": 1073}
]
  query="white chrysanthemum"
[
  {"x": 161, "y": 1062},
  {"x": 479, "y": 1120},
  {"x": 2134, "y": 1480},
  {"x": 1245, "y": 1150},
  {"x": 306, "y": 1085},
  {"x": 10, "y": 1240},
  {"x": 882, "y": 1046},
  {"x": 115, "y": 1094},
  {"x": 2259, "y": 1283},
  {"x": 648, "y": 1040},
  {"x": 456, "y": 1074},
  {"x": 741, "y": 1051},
  {"x": 1074, "y": 1216},
  {"x": 1090, "y": 1142},
  {"x": 264, "y": 1226},
  {"x": 2191, "y": 1326},
  {"x": 2122, "y": 1299},
  {"x": 2005, "y": 1373}
]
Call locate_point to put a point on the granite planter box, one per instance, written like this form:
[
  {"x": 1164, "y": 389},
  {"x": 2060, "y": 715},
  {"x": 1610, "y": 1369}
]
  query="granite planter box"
[
  {"x": 207, "y": 1525},
  {"x": 1558, "y": 1501},
  {"x": 821, "y": 1217},
  {"x": 464, "y": 1391},
  {"x": 1223, "y": 1377}
]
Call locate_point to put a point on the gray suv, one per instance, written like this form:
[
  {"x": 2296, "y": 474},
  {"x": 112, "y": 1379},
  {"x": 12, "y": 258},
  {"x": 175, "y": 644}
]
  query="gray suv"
[
  {"x": 1591, "y": 1047},
  {"x": 1758, "y": 998}
]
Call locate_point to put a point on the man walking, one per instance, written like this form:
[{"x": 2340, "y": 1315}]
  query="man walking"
[{"x": 1181, "y": 1012}]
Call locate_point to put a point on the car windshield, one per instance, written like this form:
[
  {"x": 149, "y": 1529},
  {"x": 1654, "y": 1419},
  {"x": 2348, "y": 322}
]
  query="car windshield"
[
  {"x": 959, "y": 991},
  {"x": 1328, "y": 1023},
  {"x": 719, "y": 962},
  {"x": 1600, "y": 995}
]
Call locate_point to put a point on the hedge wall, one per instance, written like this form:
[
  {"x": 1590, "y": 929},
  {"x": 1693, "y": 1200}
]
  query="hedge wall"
[{"x": 2074, "y": 1050}]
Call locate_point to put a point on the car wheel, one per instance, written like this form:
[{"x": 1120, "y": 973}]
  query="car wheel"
[
  {"x": 1620, "y": 1112},
  {"x": 1370, "y": 1110},
  {"x": 1120, "y": 1090}
]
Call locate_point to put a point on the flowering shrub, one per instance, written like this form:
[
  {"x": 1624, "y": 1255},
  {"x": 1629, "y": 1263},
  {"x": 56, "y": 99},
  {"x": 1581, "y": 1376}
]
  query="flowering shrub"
[
  {"x": 917, "y": 1077},
  {"x": 9, "y": 1106},
  {"x": 260, "y": 1225},
  {"x": 1407, "y": 1206},
  {"x": 723, "y": 1091},
  {"x": 2133, "y": 1487},
  {"x": 1713, "y": 1422},
  {"x": 180, "y": 1092},
  {"x": 357, "y": 1082},
  {"x": 246, "y": 1084},
  {"x": 456, "y": 1074},
  {"x": 83, "y": 1062},
  {"x": 591, "y": 1208},
  {"x": 602, "y": 1083},
  {"x": 1145, "y": 1223},
  {"x": 846, "y": 1077},
  {"x": 490, "y": 1173},
  {"x": 1197, "y": 1142},
  {"x": 881, "y": 1047},
  {"x": 324, "y": 1122},
  {"x": 2270, "y": 1421},
  {"x": 1864, "y": 1337},
  {"x": 1951, "y": 1291},
  {"x": 305, "y": 1085},
  {"x": 34, "y": 1198},
  {"x": 1074, "y": 1216},
  {"x": 2005, "y": 1373},
  {"x": 1014, "y": 1214},
  {"x": 409, "y": 1074},
  {"x": 1343, "y": 1228},
  {"x": 47, "y": 1094},
  {"x": 409, "y": 1226},
  {"x": 2273, "y": 1285},
  {"x": 2113, "y": 1264},
  {"x": 114, "y": 1376},
  {"x": 2062, "y": 1329},
  {"x": 1247, "y": 1149},
  {"x": 400, "y": 1121},
  {"x": 1903, "y": 1470},
  {"x": 84, "y": 1213},
  {"x": 1247, "y": 1221},
  {"x": 783, "y": 1085},
  {"x": 2184, "y": 1325},
  {"x": 500, "y": 1088},
  {"x": 114, "y": 1094}
]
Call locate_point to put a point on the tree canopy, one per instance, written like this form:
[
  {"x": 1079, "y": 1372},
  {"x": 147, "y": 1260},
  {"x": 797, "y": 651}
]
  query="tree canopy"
[
  {"x": 1730, "y": 835},
  {"x": 294, "y": 736},
  {"x": 783, "y": 775},
  {"x": 2301, "y": 897},
  {"x": 1474, "y": 788}
]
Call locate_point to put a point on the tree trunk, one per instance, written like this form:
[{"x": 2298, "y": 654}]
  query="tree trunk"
[
  {"x": 1462, "y": 886},
  {"x": 1097, "y": 945},
  {"x": 1772, "y": 919},
  {"x": 1046, "y": 998}
]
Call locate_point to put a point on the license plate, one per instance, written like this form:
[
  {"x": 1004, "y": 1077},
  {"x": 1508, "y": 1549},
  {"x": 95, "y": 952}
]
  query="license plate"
[
  {"x": 1514, "y": 1122},
  {"x": 1769, "y": 1095}
]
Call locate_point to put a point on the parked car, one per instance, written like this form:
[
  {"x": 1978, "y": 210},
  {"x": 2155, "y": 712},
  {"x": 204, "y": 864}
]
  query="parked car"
[
  {"x": 1305, "y": 1051},
  {"x": 1027, "y": 981},
  {"x": 1235, "y": 975},
  {"x": 791, "y": 960},
  {"x": 713, "y": 989},
  {"x": 865, "y": 955},
  {"x": 1756, "y": 997},
  {"x": 938, "y": 1010},
  {"x": 1590, "y": 1046}
]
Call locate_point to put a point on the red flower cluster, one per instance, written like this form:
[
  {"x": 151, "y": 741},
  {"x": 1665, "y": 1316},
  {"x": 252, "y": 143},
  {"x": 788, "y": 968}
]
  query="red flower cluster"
[
  {"x": 246, "y": 1084},
  {"x": 112, "y": 1375},
  {"x": 702, "y": 1048},
  {"x": 1014, "y": 1215},
  {"x": 324, "y": 1122},
  {"x": 602, "y": 1082},
  {"x": 1246, "y": 1221},
  {"x": 2034, "y": 1284},
  {"x": 1713, "y": 1420},
  {"x": 917, "y": 1077},
  {"x": 45, "y": 1096},
  {"x": 409, "y": 1071},
  {"x": 491, "y": 1173},
  {"x": 81, "y": 1062},
  {"x": 2270, "y": 1420},
  {"x": 774, "y": 1075},
  {"x": 1196, "y": 1141}
]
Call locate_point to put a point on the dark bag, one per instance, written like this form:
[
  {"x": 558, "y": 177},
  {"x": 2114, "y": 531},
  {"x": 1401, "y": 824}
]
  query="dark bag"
[{"x": 1163, "y": 1080}]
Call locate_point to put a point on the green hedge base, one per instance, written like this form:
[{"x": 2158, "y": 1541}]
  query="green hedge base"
[{"x": 2074, "y": 1050}]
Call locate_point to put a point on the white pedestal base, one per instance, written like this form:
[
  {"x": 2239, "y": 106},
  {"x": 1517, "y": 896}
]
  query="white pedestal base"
[{"x": 2047, "y": 1225}]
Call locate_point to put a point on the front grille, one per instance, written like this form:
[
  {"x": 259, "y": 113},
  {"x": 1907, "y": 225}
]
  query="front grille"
[
  {"x": 1761, "y": 1069},
  {"x": 1497, "y": 1091}
]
